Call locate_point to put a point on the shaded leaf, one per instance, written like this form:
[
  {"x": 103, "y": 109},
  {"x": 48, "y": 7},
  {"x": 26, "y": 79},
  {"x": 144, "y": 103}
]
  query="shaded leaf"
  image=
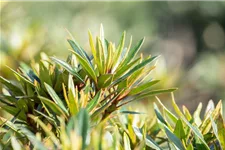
[
  {"x": 55, "y": 97},
  {"x": 68, "y": 68},
  {"x": 55, "y": 108},
  {"x": 174, "y": 139}
]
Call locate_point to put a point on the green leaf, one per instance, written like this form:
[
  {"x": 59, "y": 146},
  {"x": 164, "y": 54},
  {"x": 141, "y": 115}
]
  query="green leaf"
[
  {"x": 119, "y": 49},
  {"x": 221, "y": 128},
  {"x": 206, "y": 125},
  {"x": 83, "y": 125},
  {"x": 169, "y": 114},
  {"x": 94, "y": 102},
  {"x": 176, "y": 108},
  {"x": 142, "y": 87},
  {"x": 46, "y": 129},
  {"x": 187, "y": 114},
  {"x": 68, "y": 68},
  {"x": 20, "y": 77},
  {"x": 86, "y": 67},
  {"x": 126, "y": 142},
  {"x": 35, "y": 141},
  {"x": 72, "y": 100},
  {"x": 136, "y": 68},
  {"x": 190, "y": 147},
  {"x": 104, "y": 80},
  {"x": 174, "y": 139},
  {"x": 93, "y": 50},
  {"x": 99, "y": 56},
  {"x": 55, "y": 98},
  {"x": 51, "y": 120},
  {"x": 158, "y": 115},
  {"x": 156, "y": 92},
  {"x": 149, "y": 141},
  {"x": 124, "y": 69},
  {"x": 10, "y": 86},
  {"x": 109, "y": 58},
  {"x": 132, "y": 53},
  {"x": 196, "y": 132},
  {"x": 179, "y": 130},
  {"x": 44, "y": 72},
  {"x": 80, "y": 51},
  {"x": 53, "y": 106},
  {"x": 15, "y": 112},
  {"x": 106, "y": 105},
  {"x": 196, "y": 115}
]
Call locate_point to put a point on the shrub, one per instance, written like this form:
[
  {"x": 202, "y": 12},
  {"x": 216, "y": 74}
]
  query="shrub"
[
  {"x": 73, "y": 104},
  {"x": 54, "y": 89}
]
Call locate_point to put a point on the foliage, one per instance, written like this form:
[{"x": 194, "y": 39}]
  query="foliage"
[
  {"x": 74, "y": 104},
  {"x": 51, "y": 95}
]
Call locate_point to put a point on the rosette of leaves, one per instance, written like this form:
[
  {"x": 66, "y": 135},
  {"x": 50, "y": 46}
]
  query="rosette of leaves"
[{"x": 54, "y": 89}]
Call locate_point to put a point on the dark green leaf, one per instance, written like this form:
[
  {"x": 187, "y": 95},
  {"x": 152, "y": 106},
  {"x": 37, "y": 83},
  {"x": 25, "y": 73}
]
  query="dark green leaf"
[
  {"x": 174, "y": 139},
  {"x": 179, "y": 130},
  {"x": 69, "y": 68},
  {"x": 53, "y": 106},
  {"x": 14, "y": 89},
  {"x": 105, "y": 80},
  {"x": 55, "y": 98}
]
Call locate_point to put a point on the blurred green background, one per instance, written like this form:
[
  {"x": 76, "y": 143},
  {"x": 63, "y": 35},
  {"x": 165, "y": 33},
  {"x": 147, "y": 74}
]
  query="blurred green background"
[{"x": 189, "y": 36}]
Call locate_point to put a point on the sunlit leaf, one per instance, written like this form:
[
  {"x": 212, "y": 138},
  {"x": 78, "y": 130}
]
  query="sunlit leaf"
[
  {"x": 143, "y": 87},
  {"x": 94, "y": 102},
  {"x": 126, "y": 142},
  {"x": 86, "y": 66}
]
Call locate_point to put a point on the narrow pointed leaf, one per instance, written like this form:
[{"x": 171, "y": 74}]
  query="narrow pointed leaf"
[
  {"x": 137, "y": 67},
  {"x": 119, "y": 48},
  {"x": 34, "y": 140},
  {"x": 126, "y": 142},
  {"x": 143, "y": 87},
  {"x": 156, "y": 92},
  {"x": 86, "y": 67},
  {"x": 93, "y": 50},
  {"x": 93, "y": 103},
  {"x": 68, "y": 68},
  {"x": 55, "y": 97},
  {"x": 53, "y": 106},
  {"x": 179, "y": 130},
  {"x": 10, "y": 86},
  {"x": 221, "y": 128},
  {"x": 46, "y": 129},
  {"x": 132, "y": 53},
  {"x": 149, "y": 141},
  {"x": 174, "y": 139},
  {"x": 197, "y": 132},
  {"x": 125, "y": 68},
  {"x": 20, "y": 77},
  {"x": 169, "y": 113},
  {"x": 80, "y": 51},
  {"x": 105, "y": 80}
]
